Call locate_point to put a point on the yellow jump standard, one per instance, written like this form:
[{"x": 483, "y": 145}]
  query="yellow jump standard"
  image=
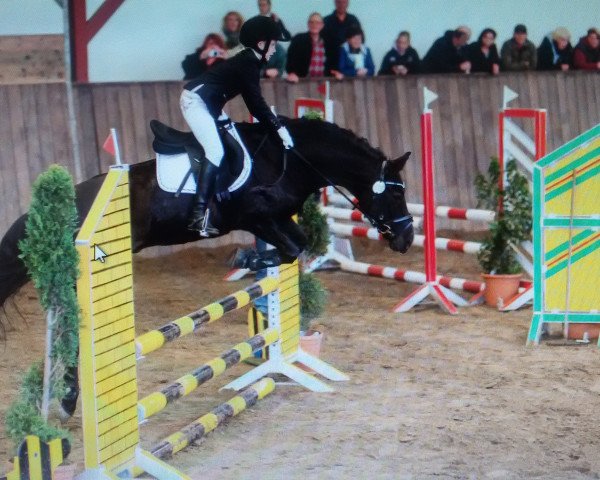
[{"x": 109, "y": 350}]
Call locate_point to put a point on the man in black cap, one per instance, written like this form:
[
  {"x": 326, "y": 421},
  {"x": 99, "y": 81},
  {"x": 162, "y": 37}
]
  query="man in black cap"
[{"x": 518, "y": 53}]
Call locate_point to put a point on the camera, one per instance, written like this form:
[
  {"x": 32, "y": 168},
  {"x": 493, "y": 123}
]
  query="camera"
[{"x": 213, "y": 53}]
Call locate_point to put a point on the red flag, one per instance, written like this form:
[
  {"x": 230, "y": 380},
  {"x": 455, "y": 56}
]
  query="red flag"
[
  {"x": 109, "y": 144},
  {"x": 322, "y": 88}
]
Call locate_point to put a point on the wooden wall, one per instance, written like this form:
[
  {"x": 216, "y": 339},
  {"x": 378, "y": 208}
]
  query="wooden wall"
[
  {"x": 34, "y": 132},
  {"x": 31, "y": 59}
]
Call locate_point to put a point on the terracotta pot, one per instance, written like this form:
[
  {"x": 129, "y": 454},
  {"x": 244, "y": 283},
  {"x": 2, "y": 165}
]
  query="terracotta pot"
[
  {"x": 578, "y": 330},
  {"x": 500, "y": 288},
  {"x": 310, "y": 342}
]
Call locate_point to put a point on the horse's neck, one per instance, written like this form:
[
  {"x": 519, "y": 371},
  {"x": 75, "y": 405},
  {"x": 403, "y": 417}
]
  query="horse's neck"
[{"x": 351, "y": 171}]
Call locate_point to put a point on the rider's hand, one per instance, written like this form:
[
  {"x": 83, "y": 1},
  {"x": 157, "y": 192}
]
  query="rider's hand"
[{"x": 286, "y": 138}]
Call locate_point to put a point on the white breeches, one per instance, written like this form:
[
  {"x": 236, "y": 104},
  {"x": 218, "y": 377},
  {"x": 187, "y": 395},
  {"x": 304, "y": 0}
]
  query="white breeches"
[{"x": 203, "y": 125}]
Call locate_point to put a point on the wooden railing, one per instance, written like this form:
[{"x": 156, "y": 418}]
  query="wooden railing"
[{"x": 34, "y": 128}]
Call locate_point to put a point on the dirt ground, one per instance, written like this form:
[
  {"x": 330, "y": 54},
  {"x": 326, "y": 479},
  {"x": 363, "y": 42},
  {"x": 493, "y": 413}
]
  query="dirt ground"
[{"x": 429, "y": 396}]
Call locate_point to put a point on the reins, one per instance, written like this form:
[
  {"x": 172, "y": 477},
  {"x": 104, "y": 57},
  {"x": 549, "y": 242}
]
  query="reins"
[{"x": 283, "y": 170}]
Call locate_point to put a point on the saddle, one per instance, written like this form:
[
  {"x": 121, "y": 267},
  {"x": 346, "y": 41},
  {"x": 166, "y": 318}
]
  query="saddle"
[{"x": 171, "y": 143}]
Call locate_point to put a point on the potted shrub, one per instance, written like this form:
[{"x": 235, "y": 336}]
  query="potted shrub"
[
  {"x": 497, "y": 257},
  {"x": 313, "y": 295}
]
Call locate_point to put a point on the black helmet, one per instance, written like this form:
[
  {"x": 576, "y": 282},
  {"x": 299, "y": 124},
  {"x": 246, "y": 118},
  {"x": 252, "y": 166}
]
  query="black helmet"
[{"x": 261, "y": 28}]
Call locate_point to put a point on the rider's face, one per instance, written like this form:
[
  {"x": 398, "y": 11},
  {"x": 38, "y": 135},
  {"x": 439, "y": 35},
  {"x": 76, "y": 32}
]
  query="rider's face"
[{"x": 271, "y": 49}]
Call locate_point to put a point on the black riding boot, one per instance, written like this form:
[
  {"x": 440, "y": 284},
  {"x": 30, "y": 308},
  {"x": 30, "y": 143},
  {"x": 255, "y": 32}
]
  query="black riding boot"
[{"x": 200, "y": 216}]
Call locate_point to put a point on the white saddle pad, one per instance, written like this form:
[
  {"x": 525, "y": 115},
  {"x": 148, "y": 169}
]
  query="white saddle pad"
[{"x": 171, "y": 169}]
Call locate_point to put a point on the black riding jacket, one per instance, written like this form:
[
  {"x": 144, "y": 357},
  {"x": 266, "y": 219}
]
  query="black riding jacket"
[{"x": 238, "y": 75}]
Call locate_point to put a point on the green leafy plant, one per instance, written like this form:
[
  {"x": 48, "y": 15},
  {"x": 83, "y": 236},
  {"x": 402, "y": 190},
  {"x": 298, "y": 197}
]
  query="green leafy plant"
[
  {"x": 314, "y": 224},
  {"x": 23, "y": 415},
  {"x": 49, "y": 254},
  {"x": 513, "y": 220},
  {"x": 313, "y": 298},
  {"x": 313, "y": 115}
]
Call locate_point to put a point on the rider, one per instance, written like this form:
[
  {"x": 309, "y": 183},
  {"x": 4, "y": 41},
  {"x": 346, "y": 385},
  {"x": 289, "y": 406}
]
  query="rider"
[{"x": 203, "y": 99}]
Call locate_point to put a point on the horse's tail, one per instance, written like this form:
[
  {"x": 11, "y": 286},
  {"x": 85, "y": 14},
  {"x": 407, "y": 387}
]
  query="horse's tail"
[{"x": 13, "y": 273}]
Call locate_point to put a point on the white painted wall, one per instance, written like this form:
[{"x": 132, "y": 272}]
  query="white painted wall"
[{"x": 147, "y": 39}]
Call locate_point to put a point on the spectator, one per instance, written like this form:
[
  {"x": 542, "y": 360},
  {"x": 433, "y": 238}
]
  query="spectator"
[
  {"x": 211, "y": 52},
  {"x": 264, "y": 7},
  {"x": 232, "y": 24},
  {"x": 445, "y": 56},
  {"x": 307, "y": 53},
  {"x": 401, "y": 59},
  {"x": 466, "y": 30},
  {"x": 355, "y": 58},
  {"x": 556, "y": 51},
  {"x": 586, "y": 55},
  {"x": 275, "y": 66},
  {"x": 483, "y": 53},
  {"x": 335, "y": 28},
  {"x": 518, "y": 53}
]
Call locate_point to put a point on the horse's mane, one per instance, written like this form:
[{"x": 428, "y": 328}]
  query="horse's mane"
[
  {"x": 308, "y": 128},
  {"x": 331, "y": 129}
]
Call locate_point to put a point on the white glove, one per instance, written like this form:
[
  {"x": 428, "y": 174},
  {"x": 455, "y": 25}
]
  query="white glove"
[{"x": 286, "y": 138}]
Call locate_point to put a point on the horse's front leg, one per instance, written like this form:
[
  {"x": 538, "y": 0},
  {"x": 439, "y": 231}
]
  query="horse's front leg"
[
  {"x": 276, "y": 234},
  {"x": 294, "y": 233},
  {"x": 285, "y": 251}
]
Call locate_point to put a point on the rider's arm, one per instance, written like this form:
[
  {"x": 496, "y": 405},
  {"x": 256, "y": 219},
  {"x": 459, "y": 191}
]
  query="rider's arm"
[{"x": 255, "y": 102}]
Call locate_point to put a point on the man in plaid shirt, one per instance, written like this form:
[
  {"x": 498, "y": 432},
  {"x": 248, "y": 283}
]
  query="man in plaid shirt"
[{"x": 307, "y": 53}]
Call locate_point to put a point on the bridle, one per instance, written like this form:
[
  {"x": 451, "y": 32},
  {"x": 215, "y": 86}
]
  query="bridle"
[
  {"x": 383, "y": 224},
  {"x": 379, "y": 221}
]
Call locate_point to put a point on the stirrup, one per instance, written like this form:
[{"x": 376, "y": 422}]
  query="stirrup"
[{"x": 206, "y": 229}]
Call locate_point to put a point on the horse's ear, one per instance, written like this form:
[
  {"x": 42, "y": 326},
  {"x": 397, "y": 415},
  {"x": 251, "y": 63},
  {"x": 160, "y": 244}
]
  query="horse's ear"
[{"x": 397, "y": 164}]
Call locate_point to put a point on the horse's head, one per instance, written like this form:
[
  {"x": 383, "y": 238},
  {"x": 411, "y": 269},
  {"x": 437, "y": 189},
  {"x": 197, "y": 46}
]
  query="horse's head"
[{"x": 388, "y": 207}]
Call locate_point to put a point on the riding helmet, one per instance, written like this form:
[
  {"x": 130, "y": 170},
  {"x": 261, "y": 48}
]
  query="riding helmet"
[{"x": 261, "y": 28}]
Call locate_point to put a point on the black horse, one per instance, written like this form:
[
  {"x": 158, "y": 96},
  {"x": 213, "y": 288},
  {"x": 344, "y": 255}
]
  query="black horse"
[
  {"x": 264, "y": 205},
  {"x": 266, "y": 202}
]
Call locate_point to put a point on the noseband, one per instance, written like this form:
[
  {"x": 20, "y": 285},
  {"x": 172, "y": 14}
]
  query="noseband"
[{"x": 384, "y": 225}]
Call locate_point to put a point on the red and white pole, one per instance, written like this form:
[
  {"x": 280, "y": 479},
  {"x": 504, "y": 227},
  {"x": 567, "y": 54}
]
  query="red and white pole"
[
  {"x": 431, "y": 288},
  {"x": 429, "y": 196}
]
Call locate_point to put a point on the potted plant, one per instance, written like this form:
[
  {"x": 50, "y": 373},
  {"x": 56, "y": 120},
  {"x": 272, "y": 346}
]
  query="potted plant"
[
  {"x": 313, "y": 295},
  {"x": 498, "y": 253}
]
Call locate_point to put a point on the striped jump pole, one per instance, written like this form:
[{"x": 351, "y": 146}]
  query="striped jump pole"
[
  {"x": 338, "y": 213},
  {"x": 432, "y": 287},
  {"x": 155, "y": 339},
  {"x": 419, "y": 240},
  {"x": 409, "y": 276},
  {"x": 158, "y": 401},
  {"x": 335, "y": 200},
  {"x": 207, "y": 423}
]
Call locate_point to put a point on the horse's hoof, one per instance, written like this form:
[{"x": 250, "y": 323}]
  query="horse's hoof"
[
  {"x": 240, "y": 257},
  {"x": 208, "y": 232}
]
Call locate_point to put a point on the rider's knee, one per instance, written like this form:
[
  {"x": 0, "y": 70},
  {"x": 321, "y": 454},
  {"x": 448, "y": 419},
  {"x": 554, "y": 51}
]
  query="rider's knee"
[{"x": 215, "y": 154}]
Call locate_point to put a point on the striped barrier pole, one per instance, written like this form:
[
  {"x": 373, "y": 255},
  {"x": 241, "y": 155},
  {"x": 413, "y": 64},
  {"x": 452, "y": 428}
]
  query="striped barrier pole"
[
  {"x": 409, "y": 276},
  {"x": 419, "y": 240},
  {"x": 350, "y": 215},
  {"x": 155, "y": 339},
  {"x": 471, "y": 214},
  {"x": 207, "y": 423},
  {"x": 158, "y": 401}
]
